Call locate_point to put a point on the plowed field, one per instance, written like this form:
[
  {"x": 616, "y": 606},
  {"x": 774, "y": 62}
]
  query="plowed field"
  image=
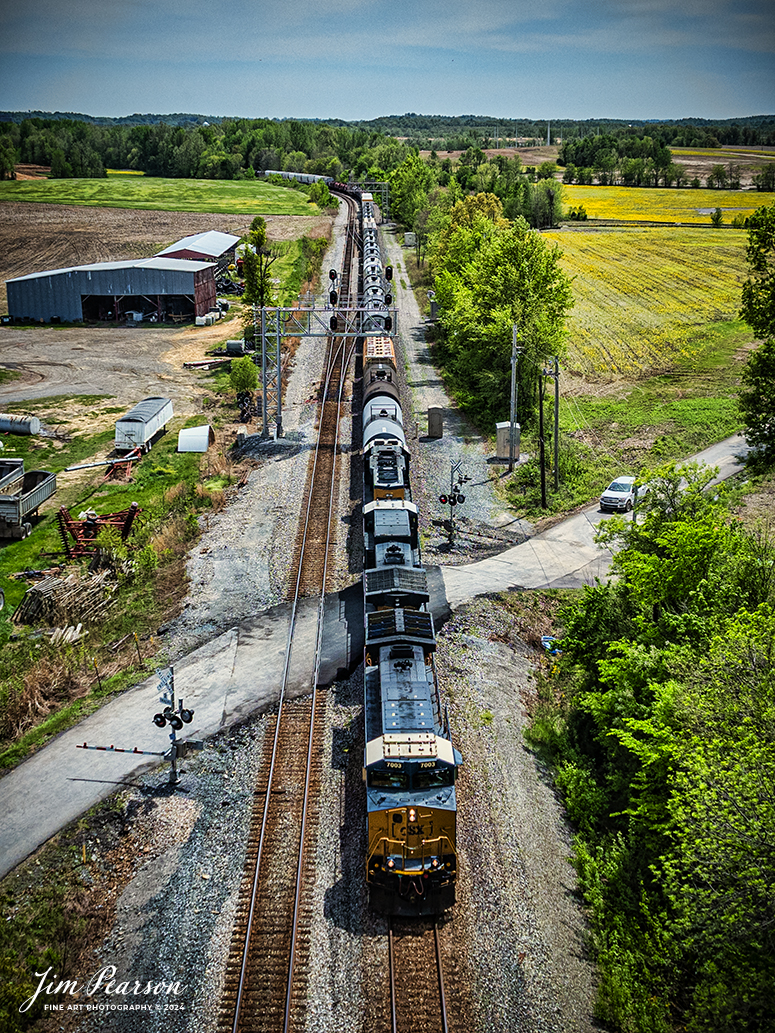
[{"x": 37, "y": 237}]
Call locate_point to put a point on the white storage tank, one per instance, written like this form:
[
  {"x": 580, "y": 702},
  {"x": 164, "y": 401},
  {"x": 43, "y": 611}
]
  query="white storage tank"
[{"x": 10, "y": 424}]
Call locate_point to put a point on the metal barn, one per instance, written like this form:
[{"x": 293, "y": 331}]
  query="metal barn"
[
  {"x": 212, "y": 246},
  {"x": 164, "y": 289}
]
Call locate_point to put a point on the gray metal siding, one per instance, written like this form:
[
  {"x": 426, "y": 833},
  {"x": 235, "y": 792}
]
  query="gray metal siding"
[{"x": 59, "y": 293}]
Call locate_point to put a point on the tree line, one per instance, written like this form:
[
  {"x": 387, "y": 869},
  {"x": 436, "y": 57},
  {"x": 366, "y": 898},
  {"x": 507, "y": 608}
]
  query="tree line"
[
  {"x": 640, "y": 159},
  {"x": 232, "y": 149},
  {"x": 658, "y": 716}
]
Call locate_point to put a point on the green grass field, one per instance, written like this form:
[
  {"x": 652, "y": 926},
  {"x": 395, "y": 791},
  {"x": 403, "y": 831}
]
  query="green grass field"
[
  {"x": 644, "y": 204},
  {"x": 230, "y": 197},
  {"x": 645, "y": 295}
]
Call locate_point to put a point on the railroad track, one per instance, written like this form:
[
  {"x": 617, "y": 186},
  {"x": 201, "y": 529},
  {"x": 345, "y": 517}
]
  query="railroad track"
[
  {"x": 266, "y": 975},
  {"x": 417, "y": 995},
  {"x": 313, "y": 540}
]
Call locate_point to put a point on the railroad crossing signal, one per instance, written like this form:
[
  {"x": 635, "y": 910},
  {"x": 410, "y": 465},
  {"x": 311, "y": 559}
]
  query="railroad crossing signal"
[
  {"x": 175, "y": 717},
  {"x": 454, "y": 497}
]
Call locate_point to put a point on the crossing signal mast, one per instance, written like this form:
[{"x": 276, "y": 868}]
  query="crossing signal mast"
[
  {"x": 171, "y": 715},
  {"x": 455, "y": 497}
]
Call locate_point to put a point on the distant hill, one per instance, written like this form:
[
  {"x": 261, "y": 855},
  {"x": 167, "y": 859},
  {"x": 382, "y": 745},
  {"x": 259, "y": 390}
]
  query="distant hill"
[
  {"x": 412, "y": 124},
  {"x": 103, "y": 120}
]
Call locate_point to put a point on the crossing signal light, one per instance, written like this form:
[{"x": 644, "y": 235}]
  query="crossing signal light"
[
  {"x": 175, "y": 719},
  {"x": 443, "y": 500}
]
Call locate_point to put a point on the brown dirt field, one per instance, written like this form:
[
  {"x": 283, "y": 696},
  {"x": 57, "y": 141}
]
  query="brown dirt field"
[{"x": 38, "y": 237}]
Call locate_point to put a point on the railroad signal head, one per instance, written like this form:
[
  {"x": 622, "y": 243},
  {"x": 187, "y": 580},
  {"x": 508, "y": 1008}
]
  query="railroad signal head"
[
  {"x": 389, "y": 323},
  {"x": 388, "y": 299},
  {"x": 389, "y": 272},
  {"x": 333, "y": 297},
  {"x": 333, "y": 323},
  {"x": 332, "y": 274}
]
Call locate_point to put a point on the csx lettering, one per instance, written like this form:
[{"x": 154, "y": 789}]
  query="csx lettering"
[{"x": 415, "y": 830}]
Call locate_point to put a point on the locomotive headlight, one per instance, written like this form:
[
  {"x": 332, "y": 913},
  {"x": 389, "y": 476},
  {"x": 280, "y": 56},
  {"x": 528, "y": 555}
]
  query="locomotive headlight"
[
  {"x": 391, "y": 863},
  {"x": 412, "y": 815}
]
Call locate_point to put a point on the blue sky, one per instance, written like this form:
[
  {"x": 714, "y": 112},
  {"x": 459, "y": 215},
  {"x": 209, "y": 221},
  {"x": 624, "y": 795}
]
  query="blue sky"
[{"x": 364, "y": 58}]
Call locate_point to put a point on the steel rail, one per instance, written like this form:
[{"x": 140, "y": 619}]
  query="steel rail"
[
  {"x": 392, "y": 966},
  {"x": 442, "y": 998},
  {"x": 283, "y": 686},
  {"x": 345, "y": 359},
  {"x": 439, "y": 973}
]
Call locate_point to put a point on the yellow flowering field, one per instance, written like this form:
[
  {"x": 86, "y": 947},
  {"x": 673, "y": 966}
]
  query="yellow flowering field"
[
  {"x": 643, "y": 294},
  {"x": 646, "y": 204}
]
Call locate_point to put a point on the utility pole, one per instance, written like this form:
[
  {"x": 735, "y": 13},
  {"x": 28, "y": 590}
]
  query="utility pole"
[
  {"x": 542, "y": 455},
  {"x": 515, "y": 353},
  {"x": 555, "y": 373},
  {"x": 556, "y": 423}
]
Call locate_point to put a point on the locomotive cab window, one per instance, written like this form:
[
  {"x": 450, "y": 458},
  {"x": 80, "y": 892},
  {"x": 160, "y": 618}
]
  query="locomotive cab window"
[
  {"x": 433, "y": 778},
  {"x": 384, "y": 779}
]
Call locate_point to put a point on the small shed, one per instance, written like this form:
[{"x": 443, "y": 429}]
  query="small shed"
[
  {"x": 203, "y": 247},
  {"x": 196, "y": 439},
  {"x": 142, "y": 423}
]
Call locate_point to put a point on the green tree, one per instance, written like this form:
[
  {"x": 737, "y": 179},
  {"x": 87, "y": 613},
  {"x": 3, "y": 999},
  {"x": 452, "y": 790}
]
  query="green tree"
[
  {"x": 409, "y": 187},
  {"x": 758, "y": 308},
  {"x": 257, "y": 259},
  {"x": 243, "y": 375},
  {"x": 757, "y": 401},
  {"x": 490, "y": 277}
]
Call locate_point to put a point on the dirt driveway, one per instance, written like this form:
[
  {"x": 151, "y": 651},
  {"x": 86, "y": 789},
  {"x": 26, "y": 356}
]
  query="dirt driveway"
[{"x": 128, "y": 363}]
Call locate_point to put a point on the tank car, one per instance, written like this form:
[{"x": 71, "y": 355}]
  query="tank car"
[
  {"x": 410, "y": 763},
  {"x": 301, "y": 177}
]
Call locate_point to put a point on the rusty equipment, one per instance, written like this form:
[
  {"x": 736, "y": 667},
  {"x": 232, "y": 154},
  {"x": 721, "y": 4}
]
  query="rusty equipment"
[
  {"x": 122, "y": 468},
  {"x": 79, "y": 537}
]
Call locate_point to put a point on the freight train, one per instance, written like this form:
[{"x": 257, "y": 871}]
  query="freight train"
[{"x": 410, "y": 764}]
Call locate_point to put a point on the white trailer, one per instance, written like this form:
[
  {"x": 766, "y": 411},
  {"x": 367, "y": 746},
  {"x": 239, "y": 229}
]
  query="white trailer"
[{"x": 141, "y": 424}]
